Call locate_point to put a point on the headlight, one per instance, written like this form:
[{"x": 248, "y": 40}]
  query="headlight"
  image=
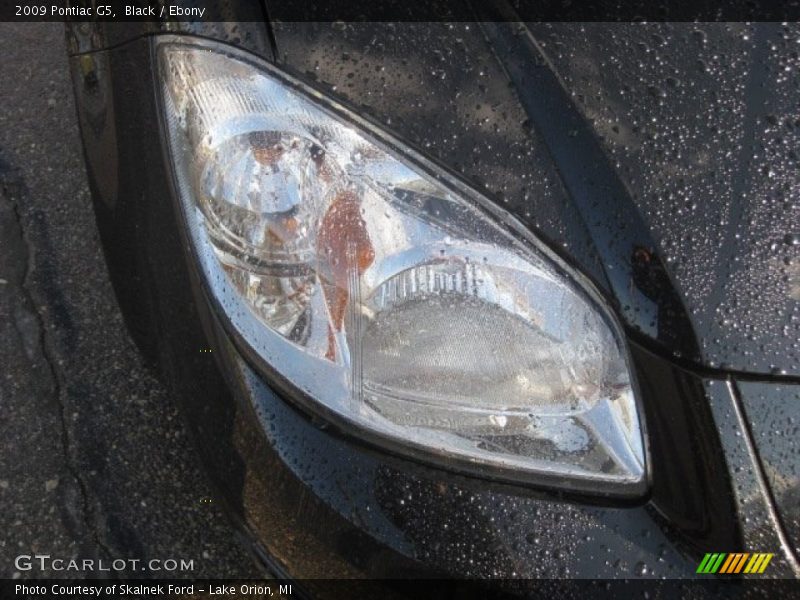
[{"x": 388, "y": 296}]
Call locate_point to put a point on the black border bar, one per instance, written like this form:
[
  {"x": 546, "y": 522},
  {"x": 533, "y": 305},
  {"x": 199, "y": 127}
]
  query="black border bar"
[
  {"x": 420, "y": 589},
  {"x": 111, "y": 11}
]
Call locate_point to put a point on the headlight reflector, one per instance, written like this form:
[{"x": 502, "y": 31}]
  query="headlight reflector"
[{"x": 387, "y": 294}]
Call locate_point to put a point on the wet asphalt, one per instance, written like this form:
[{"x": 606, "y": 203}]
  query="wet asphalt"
[{"x": 95, "y": 461}]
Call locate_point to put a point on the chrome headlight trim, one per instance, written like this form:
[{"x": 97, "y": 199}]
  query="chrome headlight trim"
[{"x": 259, "y": 343}]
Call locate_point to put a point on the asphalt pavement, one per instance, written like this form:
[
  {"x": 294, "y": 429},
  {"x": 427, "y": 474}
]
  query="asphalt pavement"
[{"x": 95, "y": 462}]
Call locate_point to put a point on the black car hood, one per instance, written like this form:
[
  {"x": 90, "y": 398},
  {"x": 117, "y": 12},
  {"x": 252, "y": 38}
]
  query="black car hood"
[
  {"x": 659, "y": 158},
  {"x": 703, "y": 123}
]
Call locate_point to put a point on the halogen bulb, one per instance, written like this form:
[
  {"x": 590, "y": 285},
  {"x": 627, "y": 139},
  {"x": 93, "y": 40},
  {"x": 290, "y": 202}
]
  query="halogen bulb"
[{"x": 260, "y": 193}]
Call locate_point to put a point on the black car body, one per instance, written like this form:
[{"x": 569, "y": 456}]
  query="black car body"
[{"x": 659, "y": 160}]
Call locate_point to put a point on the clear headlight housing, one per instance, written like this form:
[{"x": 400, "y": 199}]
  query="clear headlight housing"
[{"x": 387, "y": 295}]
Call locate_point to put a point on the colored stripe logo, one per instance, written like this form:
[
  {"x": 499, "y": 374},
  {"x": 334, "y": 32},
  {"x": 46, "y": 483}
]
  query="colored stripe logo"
[{"x": 736, "y": 562}]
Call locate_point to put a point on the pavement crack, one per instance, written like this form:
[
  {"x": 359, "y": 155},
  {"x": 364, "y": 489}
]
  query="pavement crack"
[{"x": 13, "y": 188}]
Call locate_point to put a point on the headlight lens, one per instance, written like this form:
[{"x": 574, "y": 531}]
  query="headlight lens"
[{"x": 388, "y": 295}]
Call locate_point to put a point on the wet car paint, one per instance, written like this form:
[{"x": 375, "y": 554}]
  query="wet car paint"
[
  {"x": 702, "y": 121},
  {"x": 282, "y": 473},
  {"x": 773, "y": 415}
]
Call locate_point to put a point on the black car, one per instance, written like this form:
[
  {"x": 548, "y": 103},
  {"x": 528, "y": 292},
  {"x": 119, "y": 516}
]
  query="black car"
[{"x": 480, "y": 299}]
